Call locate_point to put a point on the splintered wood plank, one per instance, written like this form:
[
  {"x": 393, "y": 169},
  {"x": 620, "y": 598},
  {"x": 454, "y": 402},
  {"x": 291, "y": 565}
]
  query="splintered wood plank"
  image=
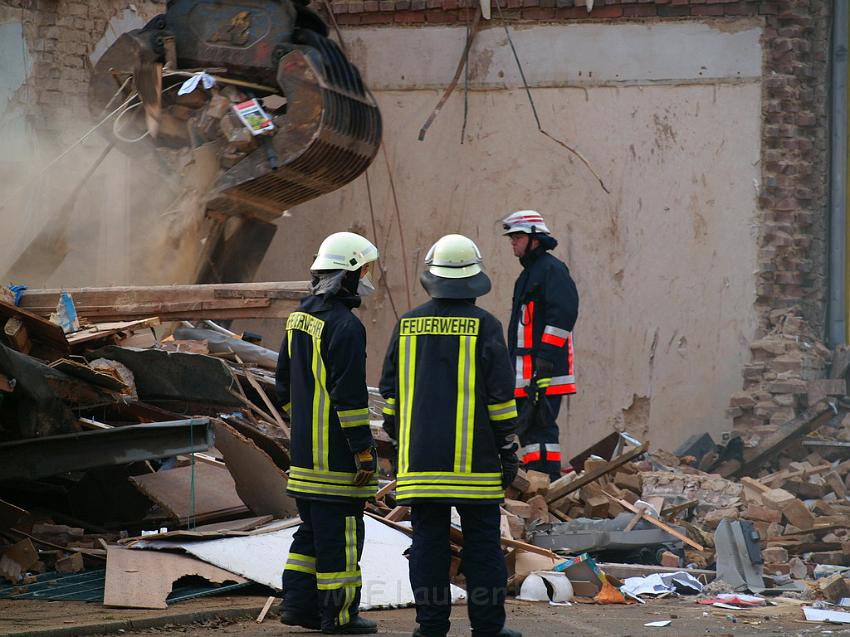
[
  {"x": 591, "y": 476},
  {"x": 89, "y": 375},
  {"x": 143, "y": 579},
  {"x": 215, "y": 491},
  {"x": 103, "y": 330},
  {"x": 786, "y": 435},
  {"x": 38, "y": 328},
  {"x": 175, "y": 302},
  {"x": 661, "y": 525}
]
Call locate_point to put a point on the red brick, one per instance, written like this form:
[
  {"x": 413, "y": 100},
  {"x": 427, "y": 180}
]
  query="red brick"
[
  {"x": 673, "y": 12},
  {"x": 741, "y": 8},
  {"x": 611, "y": 11},
  {"x": 409, "y": 17},
  {"x": 348, "y": 19},
  {"x": 640, "y": 11},
  {"x": 707, "y": 10},
  {"x": 570, "y": 13},
  {"x": 440, "y": 17},
  {"x": 379, "y": 17},
  {"x": 539, "y": 13}
]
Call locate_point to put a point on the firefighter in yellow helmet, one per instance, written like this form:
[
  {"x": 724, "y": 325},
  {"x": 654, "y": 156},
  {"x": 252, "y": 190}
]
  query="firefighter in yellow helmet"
[
  {"x": 321, "y": 381},
  {"x": 448, "y": 383}
]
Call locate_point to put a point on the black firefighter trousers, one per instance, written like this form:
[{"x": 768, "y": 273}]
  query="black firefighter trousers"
[
  {"x": 322, "y": 577},
  {"x": 482, "y": 563},
  {"x": 544, "y": 430}
]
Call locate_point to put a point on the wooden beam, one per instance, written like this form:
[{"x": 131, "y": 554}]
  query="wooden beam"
[
  {"x": 17, "y": 335},
  {"x": 661, "y": 525},
  {"x": 175, "y": 302},
  {"x": 591, "y": 476},
  {"x": 786, "y": 435},
  {"x": 383, "y": 491},
  {"x": 38, "y": 328}
]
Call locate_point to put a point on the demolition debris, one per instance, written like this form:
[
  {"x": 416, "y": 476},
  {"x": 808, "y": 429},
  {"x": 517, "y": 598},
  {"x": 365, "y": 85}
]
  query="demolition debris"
[{"x": 143, "y": 462}]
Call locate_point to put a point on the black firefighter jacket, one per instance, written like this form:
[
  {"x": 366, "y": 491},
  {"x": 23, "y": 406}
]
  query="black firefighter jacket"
[
  {"x": 544, "y": 311},
  {"x": 321, "y": 382},
  {"x": 448, "y": 383}
]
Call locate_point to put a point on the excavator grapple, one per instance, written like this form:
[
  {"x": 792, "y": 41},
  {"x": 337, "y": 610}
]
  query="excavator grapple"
[{"x": 315, "y": 125}]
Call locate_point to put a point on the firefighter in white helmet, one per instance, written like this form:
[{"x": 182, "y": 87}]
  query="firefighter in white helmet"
[
  {"x": 448, "y": 384},
  {"x": 540, "y": 340},
  {"x": 321, "y": 383}
]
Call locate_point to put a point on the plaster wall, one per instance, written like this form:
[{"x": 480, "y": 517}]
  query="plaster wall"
[{"x": 664, "y": 263}]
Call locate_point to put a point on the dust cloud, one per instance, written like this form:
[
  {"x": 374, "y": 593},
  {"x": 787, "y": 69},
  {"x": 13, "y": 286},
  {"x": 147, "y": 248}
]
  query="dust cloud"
[{"x": 129, "y": 215}]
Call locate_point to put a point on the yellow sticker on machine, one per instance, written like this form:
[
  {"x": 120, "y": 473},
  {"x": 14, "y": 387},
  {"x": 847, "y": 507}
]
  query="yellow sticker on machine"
[{"x": 440, "y": 325}]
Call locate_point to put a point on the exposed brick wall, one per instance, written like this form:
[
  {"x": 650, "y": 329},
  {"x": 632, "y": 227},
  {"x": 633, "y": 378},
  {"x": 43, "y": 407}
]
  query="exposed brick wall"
[{"x": 60, "y": 36}]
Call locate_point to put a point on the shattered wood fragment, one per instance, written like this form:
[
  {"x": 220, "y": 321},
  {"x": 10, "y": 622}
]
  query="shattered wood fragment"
[
  {"x": 71, "y": 564},
  {"x": 17, "y": 335},
  {"x": 787, "y": 434},
  {"x": 266, "y": 607},
  {"x": 17, "y": 559},
  {"x": 661, "y": 525},
  {"x": 398, "y": 514},
  {"x": 383, "y": 491},
  {"x": 587, "y": 478}
]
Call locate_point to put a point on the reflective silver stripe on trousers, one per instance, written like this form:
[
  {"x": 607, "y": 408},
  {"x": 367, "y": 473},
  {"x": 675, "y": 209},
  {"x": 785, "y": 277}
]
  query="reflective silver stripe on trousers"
[
  {"x": 556, "y": 331},
  {"x": 437, "y": 491},
  {"x": 541, "y": 447},
  {"x": 352, "y": 579},
  {"x": 449, "y": 478}
]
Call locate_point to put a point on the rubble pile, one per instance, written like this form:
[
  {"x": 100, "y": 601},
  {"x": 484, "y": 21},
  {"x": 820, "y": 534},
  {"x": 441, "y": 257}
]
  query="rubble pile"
[
  {"x": 787, "y": 374},
  {"x": 119, "y": 434}
]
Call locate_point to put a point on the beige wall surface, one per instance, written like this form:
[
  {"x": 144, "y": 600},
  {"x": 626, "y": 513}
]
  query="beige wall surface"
[{"x": 664, "y": 263}]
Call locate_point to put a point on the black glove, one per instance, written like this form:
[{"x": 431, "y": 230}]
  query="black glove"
[
  {"x": 391, "y": 427},
  {"x": 542, "y": 377},
  {"x": 367, "y": 465},
  {"x": 510, "y": 462}
]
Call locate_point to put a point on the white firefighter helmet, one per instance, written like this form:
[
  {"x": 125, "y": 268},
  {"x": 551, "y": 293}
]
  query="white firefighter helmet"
[
  {"x": 527, "y": 221},
  {"x": 344, "y": 251},
  {"x": 454, "y": 269}
]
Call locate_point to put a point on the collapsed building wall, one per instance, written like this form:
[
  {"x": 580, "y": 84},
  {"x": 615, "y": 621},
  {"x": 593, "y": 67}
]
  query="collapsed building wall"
[{"x": 715, "y": 160}]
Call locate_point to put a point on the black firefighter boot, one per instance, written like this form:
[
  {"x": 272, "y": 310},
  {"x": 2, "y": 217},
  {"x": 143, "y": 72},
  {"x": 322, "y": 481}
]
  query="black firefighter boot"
[
  {"x": 357, "y": 626},
  {"x": 288, "y": 618},
  {"x": 505, "y": 632}
]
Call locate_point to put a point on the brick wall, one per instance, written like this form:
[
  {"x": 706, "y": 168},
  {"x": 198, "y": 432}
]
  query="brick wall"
[{"x": 60, "y": 36}]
